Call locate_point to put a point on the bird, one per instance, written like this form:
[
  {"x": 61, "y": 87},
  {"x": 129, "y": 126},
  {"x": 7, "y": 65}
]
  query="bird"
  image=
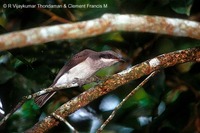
[{"x": 81, "y": 67}]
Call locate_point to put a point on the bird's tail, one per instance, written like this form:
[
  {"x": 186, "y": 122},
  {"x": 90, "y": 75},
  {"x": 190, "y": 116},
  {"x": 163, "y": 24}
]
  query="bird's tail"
[{"x": 41, "y": 100}]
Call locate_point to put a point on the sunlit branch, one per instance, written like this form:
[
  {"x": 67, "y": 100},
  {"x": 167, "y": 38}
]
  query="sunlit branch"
[
  {"x": 113, "y": 82},
  {"x": 107, "y": 23}
]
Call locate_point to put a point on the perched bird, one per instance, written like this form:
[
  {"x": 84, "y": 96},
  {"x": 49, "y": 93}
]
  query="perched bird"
[{"x": 81, "y": 67}]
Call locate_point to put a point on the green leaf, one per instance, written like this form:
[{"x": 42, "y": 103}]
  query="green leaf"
[
  {"x": 3, "y": 19},
  {"x": 116, "y": 36},
  {"x": 24, "y": 118},
  {"x": 182, "y": 6},
  {"x": 140, "y": 98}
]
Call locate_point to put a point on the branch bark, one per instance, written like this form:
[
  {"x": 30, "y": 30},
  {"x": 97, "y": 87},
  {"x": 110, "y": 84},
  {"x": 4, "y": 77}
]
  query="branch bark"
[
  {"x": 135, "y": 72},
  {"x": 107, "y": 23}
]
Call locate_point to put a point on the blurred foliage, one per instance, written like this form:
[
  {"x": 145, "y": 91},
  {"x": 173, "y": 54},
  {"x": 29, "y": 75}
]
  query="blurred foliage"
[
  {"x": 169, "y": 102},
  {"x": 182, "y": 7}
]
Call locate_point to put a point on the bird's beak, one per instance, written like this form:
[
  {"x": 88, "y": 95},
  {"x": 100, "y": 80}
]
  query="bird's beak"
[{"x": 122, "y": 60}]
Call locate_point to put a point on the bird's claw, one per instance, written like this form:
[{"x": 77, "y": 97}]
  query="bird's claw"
[{"x": 80, "y": 82}]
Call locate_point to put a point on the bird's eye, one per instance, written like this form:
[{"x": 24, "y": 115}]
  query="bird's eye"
[
  {"x": 102, "y": 56},
  {"x": 109, "y": 56},
  {"x": 106, "y": 56}
]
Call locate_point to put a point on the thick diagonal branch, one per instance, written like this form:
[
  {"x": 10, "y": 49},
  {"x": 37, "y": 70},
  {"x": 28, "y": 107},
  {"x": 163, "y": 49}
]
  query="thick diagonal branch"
[
  {"x": 135, "y": 72},
  {"x": 107, "y": 23},
  {"x": 32, "y": 96}
]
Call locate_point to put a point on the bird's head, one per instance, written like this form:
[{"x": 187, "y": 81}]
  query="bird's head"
[{"x": 108, "y": 58}]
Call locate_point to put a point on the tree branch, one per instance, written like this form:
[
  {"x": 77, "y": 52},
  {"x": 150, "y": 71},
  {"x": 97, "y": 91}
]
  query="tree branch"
[
  {"x": 135, "y": 72},
  {"x": 111, "y": 116},
  {"x": 32, "y": 96},
  {"x": 107, "y": 23},
  {"x": 52, "y": 15}
]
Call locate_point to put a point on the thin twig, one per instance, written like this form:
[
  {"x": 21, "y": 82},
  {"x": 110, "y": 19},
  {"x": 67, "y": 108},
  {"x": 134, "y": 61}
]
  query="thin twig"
[
  {"x": 12, "y": 111},
  {"x": 67, "y": 11},
  {"x": 42, "y": 92},
  {"x": 32, "y": 96},
  {"x": 52, "y": 15},
  {"x": 124, "y": 100},
  {"x": 65, "y": 121}
]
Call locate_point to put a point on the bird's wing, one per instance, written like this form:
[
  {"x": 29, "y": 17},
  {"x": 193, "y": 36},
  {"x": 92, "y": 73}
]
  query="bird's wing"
[{"x": 78, "y": 58}]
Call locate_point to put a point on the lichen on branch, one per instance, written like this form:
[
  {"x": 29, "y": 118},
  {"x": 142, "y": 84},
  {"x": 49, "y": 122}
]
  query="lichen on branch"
[
  {"x": 107, "y": 23},
  {"x": 135, "y": 72}
]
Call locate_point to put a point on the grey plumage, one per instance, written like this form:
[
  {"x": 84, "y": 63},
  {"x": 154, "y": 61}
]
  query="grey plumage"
[{"x": 82, "y": 66}]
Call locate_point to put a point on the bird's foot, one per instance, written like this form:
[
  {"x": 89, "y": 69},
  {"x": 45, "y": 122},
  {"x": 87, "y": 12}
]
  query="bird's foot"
[
  {"x": 94, "y": 78},
  {"x": 82, "y": 82}
]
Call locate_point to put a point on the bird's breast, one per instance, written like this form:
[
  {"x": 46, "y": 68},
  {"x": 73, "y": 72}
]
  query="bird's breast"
[{"x": 81, "y": 71}]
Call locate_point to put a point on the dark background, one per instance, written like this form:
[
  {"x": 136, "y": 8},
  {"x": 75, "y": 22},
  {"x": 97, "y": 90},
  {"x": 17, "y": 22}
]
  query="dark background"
[{"x": 169, "y": 102}]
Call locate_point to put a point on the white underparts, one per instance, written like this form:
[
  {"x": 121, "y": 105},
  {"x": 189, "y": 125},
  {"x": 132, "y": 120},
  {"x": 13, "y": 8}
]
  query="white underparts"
[{"x": 81, "y": 71}]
